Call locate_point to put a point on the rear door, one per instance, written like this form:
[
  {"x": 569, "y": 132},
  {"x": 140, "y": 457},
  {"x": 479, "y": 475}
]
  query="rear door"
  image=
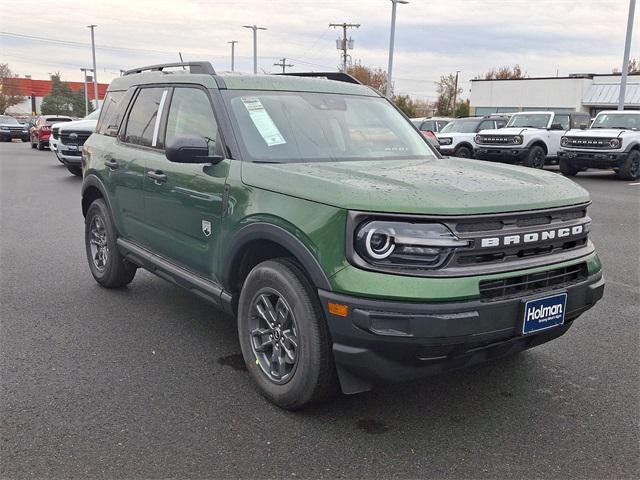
[{"x": 183, "y": 202}]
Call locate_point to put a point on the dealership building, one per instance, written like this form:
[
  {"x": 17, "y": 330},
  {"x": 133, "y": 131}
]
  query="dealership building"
[{"x": 590, "y": 93}]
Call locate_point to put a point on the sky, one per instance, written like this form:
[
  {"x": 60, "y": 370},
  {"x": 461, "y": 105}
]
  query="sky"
[{"x": 433, "y": 37}]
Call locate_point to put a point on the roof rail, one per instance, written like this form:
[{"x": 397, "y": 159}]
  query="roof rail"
[
  {"x": 336, "y": 76},
  {"x": 194, "y": 67}
]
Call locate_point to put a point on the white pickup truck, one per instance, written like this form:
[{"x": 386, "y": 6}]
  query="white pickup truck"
[
  {"x": 531, "y": 138},
  {"x": 612, "y": 142}
]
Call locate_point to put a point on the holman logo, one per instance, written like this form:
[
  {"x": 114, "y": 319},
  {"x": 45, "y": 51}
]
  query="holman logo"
[
  {"x": 547, "y": 312},
  {"x": 532, "y": 237}
]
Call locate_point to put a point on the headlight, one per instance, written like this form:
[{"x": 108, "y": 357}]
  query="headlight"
[
  {"x": 477, "y": 139},
  {"x": 518, "y": 139},
  {"x": 445, "y": 141},
  {"x": 564, "y": 141},
  {"x": 405, "y": 245},
  {"x": 615, "y": 143}
]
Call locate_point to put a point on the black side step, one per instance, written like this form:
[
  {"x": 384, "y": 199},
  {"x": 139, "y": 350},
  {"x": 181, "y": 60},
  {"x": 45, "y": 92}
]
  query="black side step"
[{"x": 203, "y": 287}]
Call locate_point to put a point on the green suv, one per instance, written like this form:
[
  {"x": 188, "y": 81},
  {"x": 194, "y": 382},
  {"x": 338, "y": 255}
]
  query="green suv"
[{"x": 314, "y": 212}]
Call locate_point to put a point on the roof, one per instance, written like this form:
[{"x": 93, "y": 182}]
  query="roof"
[
  {"x": 42, "y": 88},
  {"x": 576, "y": 76},
  {"x": 609, "y": 93},
  {"x": 234, "y": 81}
]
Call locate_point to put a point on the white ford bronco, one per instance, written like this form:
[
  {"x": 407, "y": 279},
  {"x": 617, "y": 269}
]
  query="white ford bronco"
[
  {"x": 456, "y": 138},
  {"x": 531, "y": 138},
  {"x": 612, "y": 142}
]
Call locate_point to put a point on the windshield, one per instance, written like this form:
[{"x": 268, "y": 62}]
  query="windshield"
[
  {"x": 285, "y": 127},
  {"x": 626, "y": 121},
  {"x": 8, "y": 119},
  {"x": 93, "y": 115},
  {"x": 533, "y": 120},
  {"x": 462, "y": 126}
]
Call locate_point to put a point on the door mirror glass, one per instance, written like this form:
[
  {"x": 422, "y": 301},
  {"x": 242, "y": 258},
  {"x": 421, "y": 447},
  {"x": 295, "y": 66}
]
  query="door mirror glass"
[{"x": 190, "y": 149}]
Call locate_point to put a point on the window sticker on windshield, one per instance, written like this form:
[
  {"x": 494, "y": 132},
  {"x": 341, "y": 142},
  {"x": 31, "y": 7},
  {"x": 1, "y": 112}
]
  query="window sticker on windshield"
[{"x": 263, "y": 121}]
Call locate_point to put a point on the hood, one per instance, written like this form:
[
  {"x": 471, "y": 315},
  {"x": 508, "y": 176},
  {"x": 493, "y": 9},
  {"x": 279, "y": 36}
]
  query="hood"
[
  {"x": 448, "y": 186},
  {"x": 79, "y": 125},
  {"x": 509, "y": 131},
  {"x": 599, "y": 133},
  {"x": 455, "y": 135}
]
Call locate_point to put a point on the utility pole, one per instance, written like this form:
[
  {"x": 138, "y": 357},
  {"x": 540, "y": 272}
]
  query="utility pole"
[
  {"x": 95, "y": 76},
  {"x": 283, "y": 63},
  {"x": 233, "y": 53},
  {"x": 86, "y": 93},
  {"x": 455, "y": 94},
  {"x": 391, "y": 40},
  {"x": 625, "y": 61},
  {"x": 255, "y": 29},
  {"x": 344, "y": 44}
]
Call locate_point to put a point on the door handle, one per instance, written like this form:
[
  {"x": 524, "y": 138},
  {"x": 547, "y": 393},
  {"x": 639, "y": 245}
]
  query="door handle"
[
  {"x": 110, "y": 163},
  {"x": 157, "y": 176}
]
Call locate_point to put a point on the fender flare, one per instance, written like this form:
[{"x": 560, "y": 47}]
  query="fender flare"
[
  {"x": 280, "y": 236},
  {"x": 537, "y": 140},
  {"x": 92, "y": 180}
]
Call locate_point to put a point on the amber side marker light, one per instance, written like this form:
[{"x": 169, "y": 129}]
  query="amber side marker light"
[{"x": 338, "y": 309}]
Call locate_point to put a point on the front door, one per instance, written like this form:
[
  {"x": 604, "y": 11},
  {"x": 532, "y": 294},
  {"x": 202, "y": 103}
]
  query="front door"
[{"x": 183, "y": 202}]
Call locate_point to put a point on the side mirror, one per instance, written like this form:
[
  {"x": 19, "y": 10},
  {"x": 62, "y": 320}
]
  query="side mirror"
[
  {"x": 190, "y": 149},
  {"x": 556, "y": 126},
  {"x": 583, "y": 127}
]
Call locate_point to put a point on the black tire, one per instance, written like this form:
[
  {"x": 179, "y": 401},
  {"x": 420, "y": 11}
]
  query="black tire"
[
  {"x": 567, "y": 169},
  {"x": 312, "y": 374},
  {"x": 77, "y": 171},
  {"x": 33, "y": 144},
  {"x": 24, "y": 140},
  {"x": 536, "y": 157},
  {"x": 113, "y": 271},
  {"x": 463, "y": 152},
  {"x": 630, "y": 169},
  {"x": 40, "y": 146}
]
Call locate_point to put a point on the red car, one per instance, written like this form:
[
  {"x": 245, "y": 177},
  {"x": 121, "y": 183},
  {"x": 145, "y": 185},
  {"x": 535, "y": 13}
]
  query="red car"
[{"x": 41, "y": 129}]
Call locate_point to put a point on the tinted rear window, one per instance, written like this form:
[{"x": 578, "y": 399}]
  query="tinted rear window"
[
  {"x": 57, "y": 120},
  {"x": 111, "y": 114}
]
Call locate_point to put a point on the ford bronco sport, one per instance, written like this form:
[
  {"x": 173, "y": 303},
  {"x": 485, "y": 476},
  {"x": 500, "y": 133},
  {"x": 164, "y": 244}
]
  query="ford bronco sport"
[
  {"x": 317, "y": 215},
  {"x": 457, "y": 138},
  {"x": 612, "y": 142},
  {"x": 530, "y": 138}
]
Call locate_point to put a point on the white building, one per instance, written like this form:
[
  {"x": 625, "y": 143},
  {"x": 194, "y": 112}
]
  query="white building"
[{"x": 589, "y": 93}]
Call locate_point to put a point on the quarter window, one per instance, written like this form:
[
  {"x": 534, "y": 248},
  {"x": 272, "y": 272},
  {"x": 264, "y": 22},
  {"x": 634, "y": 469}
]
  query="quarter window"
[
  {"x": 110, "y": 114},
  {"x": 191, "y": 114},
  {"x": 144, "y": 118},
  {"x": 562, "y": 120}
]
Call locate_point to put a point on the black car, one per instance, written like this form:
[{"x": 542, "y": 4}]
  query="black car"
[{"x": 10, "y": 128}]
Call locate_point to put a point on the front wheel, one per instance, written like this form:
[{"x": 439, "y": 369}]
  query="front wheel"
[
  {"x": 567, "y": 169},
  {"x": 107, "y": 266},
  {"x": 284, "y": 336},
  {"x": 463, "y": 152},
  {"x": 630, "y": 170},
  {"x": 535, "y": 158}
]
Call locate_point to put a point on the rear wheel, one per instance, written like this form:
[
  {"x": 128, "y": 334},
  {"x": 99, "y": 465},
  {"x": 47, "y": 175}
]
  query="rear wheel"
[
  {"x": 40, "y": 145},
  {"x": 536, "y": 157},
  {"x": 284, "y": 336},
  {"x": 107, "y": 266},
  {"x": 33, "y": 144},
  {"x": 463, "y": 152},
  {"x": 630, "y": 170},
  {"x": 75, "y": 170},
  {"x": 567, "y": 169}
]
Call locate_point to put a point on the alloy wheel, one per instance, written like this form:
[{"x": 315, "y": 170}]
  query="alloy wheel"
[
  {"x": 273, "y": 335},
  {"x": 98, "y": 243}
]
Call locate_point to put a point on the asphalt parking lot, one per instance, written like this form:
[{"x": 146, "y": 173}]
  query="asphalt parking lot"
[{"x": 148, "y": 381}]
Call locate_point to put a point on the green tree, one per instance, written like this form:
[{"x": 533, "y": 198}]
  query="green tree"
[
  {"x": 446, "y": 92},
  {"x": 406, "y": 104},
  {"x": 462, "y": 109},
  {"x": 373, "y": 77},
  {"x": 62, "y": 100},
  {"x": 10, "y": 93},
  {"x": 503, "y": 73}
]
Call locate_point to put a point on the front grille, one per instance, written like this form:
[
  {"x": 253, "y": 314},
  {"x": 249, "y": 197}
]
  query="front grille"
[
  {"x": 587, "y": 142},
  {"x": 79, "y": 139},
  {"x": 497, "y": 139},
  {"x": 532, "y": 283}
]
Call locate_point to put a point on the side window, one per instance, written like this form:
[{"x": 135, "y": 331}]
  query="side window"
[
  {"x": 441, "y": 125},
  {"x": 144, "y": 118},
  {"x": 191, "y": 114},
  {"x": 580, "y": 121},
  {"x": 486, "y": 125},
  {"x": 562, "y": 120},
  {"x": 501, "y": 123},
  {"x": 110, "y": 114}
]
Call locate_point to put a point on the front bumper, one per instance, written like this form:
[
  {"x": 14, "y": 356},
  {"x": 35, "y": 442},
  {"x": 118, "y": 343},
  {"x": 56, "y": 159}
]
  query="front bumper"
[
  {"x": 504, "y": 154},
  {"x": 10, "y": 135},
  {"x": 392, "y": 341},
  {"x": 67, "y": 155},
  {"x": 591, "y": 159}
]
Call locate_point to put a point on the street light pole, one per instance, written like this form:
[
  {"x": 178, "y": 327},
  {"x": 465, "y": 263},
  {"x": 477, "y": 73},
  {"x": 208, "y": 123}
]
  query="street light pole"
[
  {"x": 255, "y": 29},
  {"x": 625, "y": 61},
  {"x": 455, "y": 94},
  {"x": 391, "y": 40},
  {"x": 93, "y": 53},
  {"x": 233, "y": 53},
  {"x": 86, "y": 93}
]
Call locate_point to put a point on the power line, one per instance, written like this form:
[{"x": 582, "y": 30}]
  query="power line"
[
  {"x": 344, "y": 44},
  {"x": 283, "y": 63}
]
